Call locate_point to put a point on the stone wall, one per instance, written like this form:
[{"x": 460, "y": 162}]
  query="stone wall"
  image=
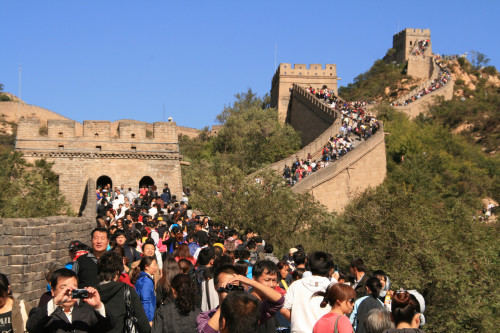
[
  {"x": 336, "y": 185},
  {"x": 404, "y": 43},
  {"x": 28, "y": 245},
  {"x": 308, "y": 115},
  {"x": 422, "y": 104},
  {"x": 339, "y": 183},
  {"x": 314, "y": 75},
  {"x": 12, "y": 111},
  {"x": 126, "y": 155},
  {"x": 192, "y": 133},
  {"x": 421, "y": 67}
]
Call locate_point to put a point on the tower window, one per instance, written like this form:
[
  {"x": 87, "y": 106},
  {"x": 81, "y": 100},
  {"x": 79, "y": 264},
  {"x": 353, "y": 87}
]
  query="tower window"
[
  {"x": 96, "y": 135},
  {"x": 134, "y": 149},
  {"x": 98, "y": 148},
  {"x": 60, "y": 134},
  {"x": 60, "y": 147},
  {"x": 132, "y": 136}
]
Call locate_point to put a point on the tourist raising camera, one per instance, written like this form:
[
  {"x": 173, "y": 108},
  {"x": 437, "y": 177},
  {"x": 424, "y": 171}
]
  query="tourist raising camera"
[
  {"x": 227, "y": 280},
  {"x": 71, "y": 309}
]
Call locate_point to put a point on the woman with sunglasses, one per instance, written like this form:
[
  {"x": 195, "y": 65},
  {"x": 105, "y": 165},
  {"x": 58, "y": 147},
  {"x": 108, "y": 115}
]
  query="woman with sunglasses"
[{"x": 341, "y": 298}]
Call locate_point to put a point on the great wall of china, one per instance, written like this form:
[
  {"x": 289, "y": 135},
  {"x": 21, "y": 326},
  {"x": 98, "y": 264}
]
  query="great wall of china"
[{"x": 27, "y": 245}]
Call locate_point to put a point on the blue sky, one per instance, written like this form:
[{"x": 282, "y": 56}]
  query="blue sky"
[{"x": 110, "y": 60}]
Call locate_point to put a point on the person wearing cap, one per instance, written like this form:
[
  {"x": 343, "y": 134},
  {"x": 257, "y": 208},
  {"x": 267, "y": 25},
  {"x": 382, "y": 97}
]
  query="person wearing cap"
[
  {"x": 408, "y": 308},
  {"x": 289, "y": 258},
  {"x": 75, "y": 250}
]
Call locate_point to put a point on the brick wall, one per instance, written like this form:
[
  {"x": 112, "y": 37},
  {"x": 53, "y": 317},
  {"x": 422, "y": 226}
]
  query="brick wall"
[
  {"x": 422, "y": 104},
  {"x": 125, "y": 155},
  {"x": 28, "y": 245},
  {"x": 342, "y": 181},
  {"x": 308, "y": 115}
]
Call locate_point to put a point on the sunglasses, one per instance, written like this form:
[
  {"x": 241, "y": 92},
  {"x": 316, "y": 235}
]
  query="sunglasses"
[{"x": 352, "y": 300}]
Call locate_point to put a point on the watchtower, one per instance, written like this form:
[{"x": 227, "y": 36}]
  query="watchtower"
[
  {"x": 314, "y": 75},
  {"x": 125, "y": 153},
  {"x": 411, "y": 42}
]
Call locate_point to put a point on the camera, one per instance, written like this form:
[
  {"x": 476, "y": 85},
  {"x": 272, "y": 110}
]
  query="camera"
[
  {"x": 80, "y": 293},
  {"x": 229, "y": 288}
]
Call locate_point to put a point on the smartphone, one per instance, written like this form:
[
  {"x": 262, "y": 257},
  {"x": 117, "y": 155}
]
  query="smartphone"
[{"x": 336, "y": 268}]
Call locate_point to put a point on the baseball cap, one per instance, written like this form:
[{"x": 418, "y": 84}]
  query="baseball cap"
[{"x": 73, "y": 244}]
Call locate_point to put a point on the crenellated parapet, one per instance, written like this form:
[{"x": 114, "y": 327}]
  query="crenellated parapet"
[{"x": 128, "y": 137}]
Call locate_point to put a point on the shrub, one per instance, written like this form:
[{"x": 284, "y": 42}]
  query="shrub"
[{"x": 490, "y": 70}]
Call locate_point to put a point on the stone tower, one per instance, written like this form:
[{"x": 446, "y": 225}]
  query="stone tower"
[
  {"x": 415, "y": 47},
  {"x": 122, "y": 153},
  {"x": 314, "y": 75}
]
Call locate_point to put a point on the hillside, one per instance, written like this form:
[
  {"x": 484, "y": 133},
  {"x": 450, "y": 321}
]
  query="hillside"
[
  {"x": 474, "y": 111},
  {"x": 383, "y": 82}
]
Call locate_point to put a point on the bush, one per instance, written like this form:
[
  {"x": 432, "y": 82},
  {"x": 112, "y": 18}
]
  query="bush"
[
  {"x": 4, "y": 98},
  {"x": 371, "y": 84},
  {"x": 490, "y": 70}
]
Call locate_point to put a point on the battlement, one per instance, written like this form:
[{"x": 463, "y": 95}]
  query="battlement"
[
  {"x": 413, "y": 32},
  {"x": 129, "y": 136},
  {"x": 311, "y": 70}
]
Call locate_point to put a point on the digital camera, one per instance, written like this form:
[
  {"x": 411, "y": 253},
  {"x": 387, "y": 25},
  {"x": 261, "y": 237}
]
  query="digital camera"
[
  {"x": 229, "y": 288},
  {"x": 80, "y": 293}
]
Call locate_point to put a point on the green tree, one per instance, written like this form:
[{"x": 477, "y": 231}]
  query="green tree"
[
  {"x": 423, "y": 244},
  {"x": 30, "y": 190},
  {"x": 371, "y": 85},
  {"x": 263, "y": 202},
  {"x": 252, "y": 136},
  {"x": 479, "y": 59}
]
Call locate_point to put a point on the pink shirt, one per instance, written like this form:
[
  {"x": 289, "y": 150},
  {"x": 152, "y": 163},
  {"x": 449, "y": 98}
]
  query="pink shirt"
[{"x": 326, "y": 324}]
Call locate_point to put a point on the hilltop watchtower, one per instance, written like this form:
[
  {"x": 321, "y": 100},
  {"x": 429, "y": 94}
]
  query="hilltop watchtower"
[
  {"x": 122, "y": 153},
  {"x": 408, "y": 42},
  {"x": 415, "y": 47},
  {"x": 314, "y": 75}
]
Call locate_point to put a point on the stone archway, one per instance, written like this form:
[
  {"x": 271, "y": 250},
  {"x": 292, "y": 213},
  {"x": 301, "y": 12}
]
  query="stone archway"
[
  {"x": 103, "y": 181},
  {"x": 146, "y": 180}
]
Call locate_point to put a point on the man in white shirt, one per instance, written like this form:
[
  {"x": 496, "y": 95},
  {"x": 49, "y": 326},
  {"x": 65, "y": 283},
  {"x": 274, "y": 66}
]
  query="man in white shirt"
[
  {"x": 119, "y": 199},
  {"x": 131, "y": 195},
  {"x": 301, "y": 308}
]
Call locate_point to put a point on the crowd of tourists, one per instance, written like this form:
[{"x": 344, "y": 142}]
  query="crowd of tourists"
[
  {"x": 355, "y": 123},
  {"x": 439, "y": 82},
  {"x": 161, "y": 267},
  {"x": 421, "y": 46}
]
